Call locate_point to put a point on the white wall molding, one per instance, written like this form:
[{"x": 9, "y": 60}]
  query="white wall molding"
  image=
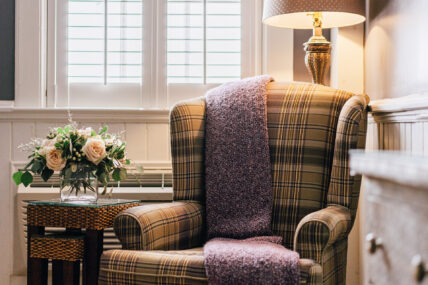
[
  {"x": 91, "y": 115},
  {"x": 6, "y": 105},
  {"x": 408, "y": 109},
  {"x": 401, "y": 104}
]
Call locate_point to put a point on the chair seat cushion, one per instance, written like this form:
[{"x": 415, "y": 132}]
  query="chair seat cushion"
[{"x": 171, "y": 267}]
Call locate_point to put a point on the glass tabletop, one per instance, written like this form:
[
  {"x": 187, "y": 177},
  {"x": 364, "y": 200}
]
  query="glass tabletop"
[{"x": 99, "y": 203}]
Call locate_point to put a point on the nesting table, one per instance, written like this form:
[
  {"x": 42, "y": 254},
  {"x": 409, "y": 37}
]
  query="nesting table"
[{"x": 92, "y": 218}]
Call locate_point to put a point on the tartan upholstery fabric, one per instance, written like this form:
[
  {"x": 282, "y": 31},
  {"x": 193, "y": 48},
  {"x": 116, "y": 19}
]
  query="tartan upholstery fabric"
[
  {"x": 187, "y": 125},
  {"x": 311, "y": 129},
  {"x": 120, "y": 267},
  {"x": 302, "y": 120},
  {"x": 166, "y": 226},
  {"x": 350, "y": 134},
  {"x": 319, "y": 230}
]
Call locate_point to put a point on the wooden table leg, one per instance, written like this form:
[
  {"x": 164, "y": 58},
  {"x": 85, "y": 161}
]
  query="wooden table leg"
[
  {"x": 65, "y": 272},
  {"x": 37, "y": 268},
  {"x": 57, "y": 274},
  {"x": 91, "y": 259}
]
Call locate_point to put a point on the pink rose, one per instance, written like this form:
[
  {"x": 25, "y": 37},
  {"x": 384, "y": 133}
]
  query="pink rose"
[
  {"x": 95, "y": 150},
  {"x": 54, "y": 159}
]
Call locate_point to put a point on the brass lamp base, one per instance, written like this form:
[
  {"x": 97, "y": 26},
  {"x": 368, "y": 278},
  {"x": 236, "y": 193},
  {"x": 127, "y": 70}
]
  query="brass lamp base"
[{"x": 317, "y": 49}]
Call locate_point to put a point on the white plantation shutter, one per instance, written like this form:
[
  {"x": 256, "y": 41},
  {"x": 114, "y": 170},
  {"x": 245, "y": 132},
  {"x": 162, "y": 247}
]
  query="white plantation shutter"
[
  {"x": 203, "y": 41},
  {"x": 105, "y": 41},
  {"x": 147, "y": 53}
]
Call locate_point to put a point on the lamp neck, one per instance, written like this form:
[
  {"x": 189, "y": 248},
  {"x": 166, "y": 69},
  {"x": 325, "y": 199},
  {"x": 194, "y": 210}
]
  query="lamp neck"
[
  {"x": 317, "y": 36},
  {"x": 317, "y": 23},
  {"x": 317, "y": 19}
]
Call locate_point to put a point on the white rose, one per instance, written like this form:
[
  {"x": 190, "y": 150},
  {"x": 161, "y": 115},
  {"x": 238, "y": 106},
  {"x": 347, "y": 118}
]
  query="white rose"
[
  {"x": 54, "y": 159},
  {"x": 85, "y": 132},
  {"x": 95, "y": 150},
  {"x": 109, "y": 141},
  {"x": 46, "y": 146}
]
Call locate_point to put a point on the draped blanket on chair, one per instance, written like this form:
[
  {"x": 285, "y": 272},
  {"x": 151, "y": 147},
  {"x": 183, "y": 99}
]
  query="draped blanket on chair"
[{"x": 239, "y": 192}]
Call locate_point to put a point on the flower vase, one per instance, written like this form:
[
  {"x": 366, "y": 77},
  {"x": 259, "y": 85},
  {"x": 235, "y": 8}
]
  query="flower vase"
[{"x": 79, "y": 189}]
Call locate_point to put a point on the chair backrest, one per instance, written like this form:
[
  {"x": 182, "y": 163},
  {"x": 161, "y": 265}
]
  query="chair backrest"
[{"x": 311, "y": 129}]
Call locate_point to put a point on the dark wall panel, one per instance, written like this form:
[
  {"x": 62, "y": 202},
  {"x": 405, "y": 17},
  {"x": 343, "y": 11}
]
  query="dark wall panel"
[{"x": 7, "y": 49}]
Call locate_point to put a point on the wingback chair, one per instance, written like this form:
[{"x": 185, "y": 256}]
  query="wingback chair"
[{"x": 311, "y": 129}]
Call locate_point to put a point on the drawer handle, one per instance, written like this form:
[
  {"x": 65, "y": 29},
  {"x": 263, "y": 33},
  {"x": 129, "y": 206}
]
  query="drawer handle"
[
  {"x": 419, "y": 270},
  {"x": 373, "y": 243}
]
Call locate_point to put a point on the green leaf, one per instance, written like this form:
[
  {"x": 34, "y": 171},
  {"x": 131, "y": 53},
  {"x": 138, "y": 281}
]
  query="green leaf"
[
  {"x": 116, "y": 174},
  {"x": 103, "y": 178},
  {"x": 17, "y": 177},
  {"x": 46, "y": 174},
  {"x": 103, "y": 130},
  {"x": 67, "y": 174},
  {"x": 29, "y": 164},
  {"x": 128, "y": 162},
  {"x": 37, "y": 166},
  {"x": 93, "y": 133},
  {"x": 67, "y": 129},
  {"x": 60, "y": 131},
  {"x": 26, "y": 178}
]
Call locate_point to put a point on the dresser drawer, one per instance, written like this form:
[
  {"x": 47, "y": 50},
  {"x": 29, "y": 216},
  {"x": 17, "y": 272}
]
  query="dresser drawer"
[{"x": 396, "y": 216}]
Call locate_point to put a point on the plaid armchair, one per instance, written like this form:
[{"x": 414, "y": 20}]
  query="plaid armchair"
[{"x": 311, "y": 129}]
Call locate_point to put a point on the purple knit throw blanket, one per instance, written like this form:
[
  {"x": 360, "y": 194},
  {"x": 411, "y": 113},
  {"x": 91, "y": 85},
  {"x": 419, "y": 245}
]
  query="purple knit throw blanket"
[{"x": 238, "y": 190}]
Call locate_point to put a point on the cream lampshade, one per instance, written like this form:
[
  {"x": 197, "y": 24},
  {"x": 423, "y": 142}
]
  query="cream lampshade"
[{"x": 314, "y": 14}]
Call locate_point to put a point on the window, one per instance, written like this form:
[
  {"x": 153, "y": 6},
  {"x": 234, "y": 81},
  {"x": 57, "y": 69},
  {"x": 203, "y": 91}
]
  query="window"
[
  {"x": 145, "y": 53},
  {"x": 204, "y": 41},
  {"x": 105, "y": 41}
]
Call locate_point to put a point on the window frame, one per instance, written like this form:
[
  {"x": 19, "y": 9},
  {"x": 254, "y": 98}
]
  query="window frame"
[{"x": 154, "y": 93}]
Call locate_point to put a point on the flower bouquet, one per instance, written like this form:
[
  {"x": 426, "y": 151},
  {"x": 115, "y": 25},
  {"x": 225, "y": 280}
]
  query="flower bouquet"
[{"x": 82, "y": 157}]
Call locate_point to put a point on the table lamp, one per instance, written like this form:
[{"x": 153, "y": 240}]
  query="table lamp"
[{"x": 314, "y": 14}]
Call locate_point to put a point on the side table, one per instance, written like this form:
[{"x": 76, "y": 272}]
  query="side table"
[{"x": 94, "y": 218}]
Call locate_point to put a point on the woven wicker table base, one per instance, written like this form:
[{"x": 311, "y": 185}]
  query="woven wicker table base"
[
  {"x": 68, "y": 249},
  {"x": 58, "y": 247}
]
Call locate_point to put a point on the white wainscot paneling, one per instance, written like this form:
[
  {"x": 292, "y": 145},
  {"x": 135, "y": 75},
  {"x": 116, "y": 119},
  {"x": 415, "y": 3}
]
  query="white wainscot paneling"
[
  {"x": 6, "y": 209},
  {"x": 157, "y": 142},
  {"x": 136, "y": 139},
  {"x": 117, "y": 128},
  {"x": 399, "y": 124},
  {"x": 22, "y": 132}
]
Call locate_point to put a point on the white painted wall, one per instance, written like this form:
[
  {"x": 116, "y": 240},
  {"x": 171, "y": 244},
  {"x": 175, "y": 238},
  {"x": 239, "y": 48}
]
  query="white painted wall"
[{"x": 347, "y": 72}]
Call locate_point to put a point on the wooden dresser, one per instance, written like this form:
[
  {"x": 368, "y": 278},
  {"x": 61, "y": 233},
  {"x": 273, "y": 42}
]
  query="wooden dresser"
[{"x": 395, "y": 221}]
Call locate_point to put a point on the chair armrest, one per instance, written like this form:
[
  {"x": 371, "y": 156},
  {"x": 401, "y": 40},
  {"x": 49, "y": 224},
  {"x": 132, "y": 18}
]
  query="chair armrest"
[
  {"x": 168, "y": 226},
  {"x": 320, "y": 229}
]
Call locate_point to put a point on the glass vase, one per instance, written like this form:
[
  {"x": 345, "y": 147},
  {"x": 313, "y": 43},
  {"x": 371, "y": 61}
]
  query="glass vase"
[{"x": 80, "y": 190}]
